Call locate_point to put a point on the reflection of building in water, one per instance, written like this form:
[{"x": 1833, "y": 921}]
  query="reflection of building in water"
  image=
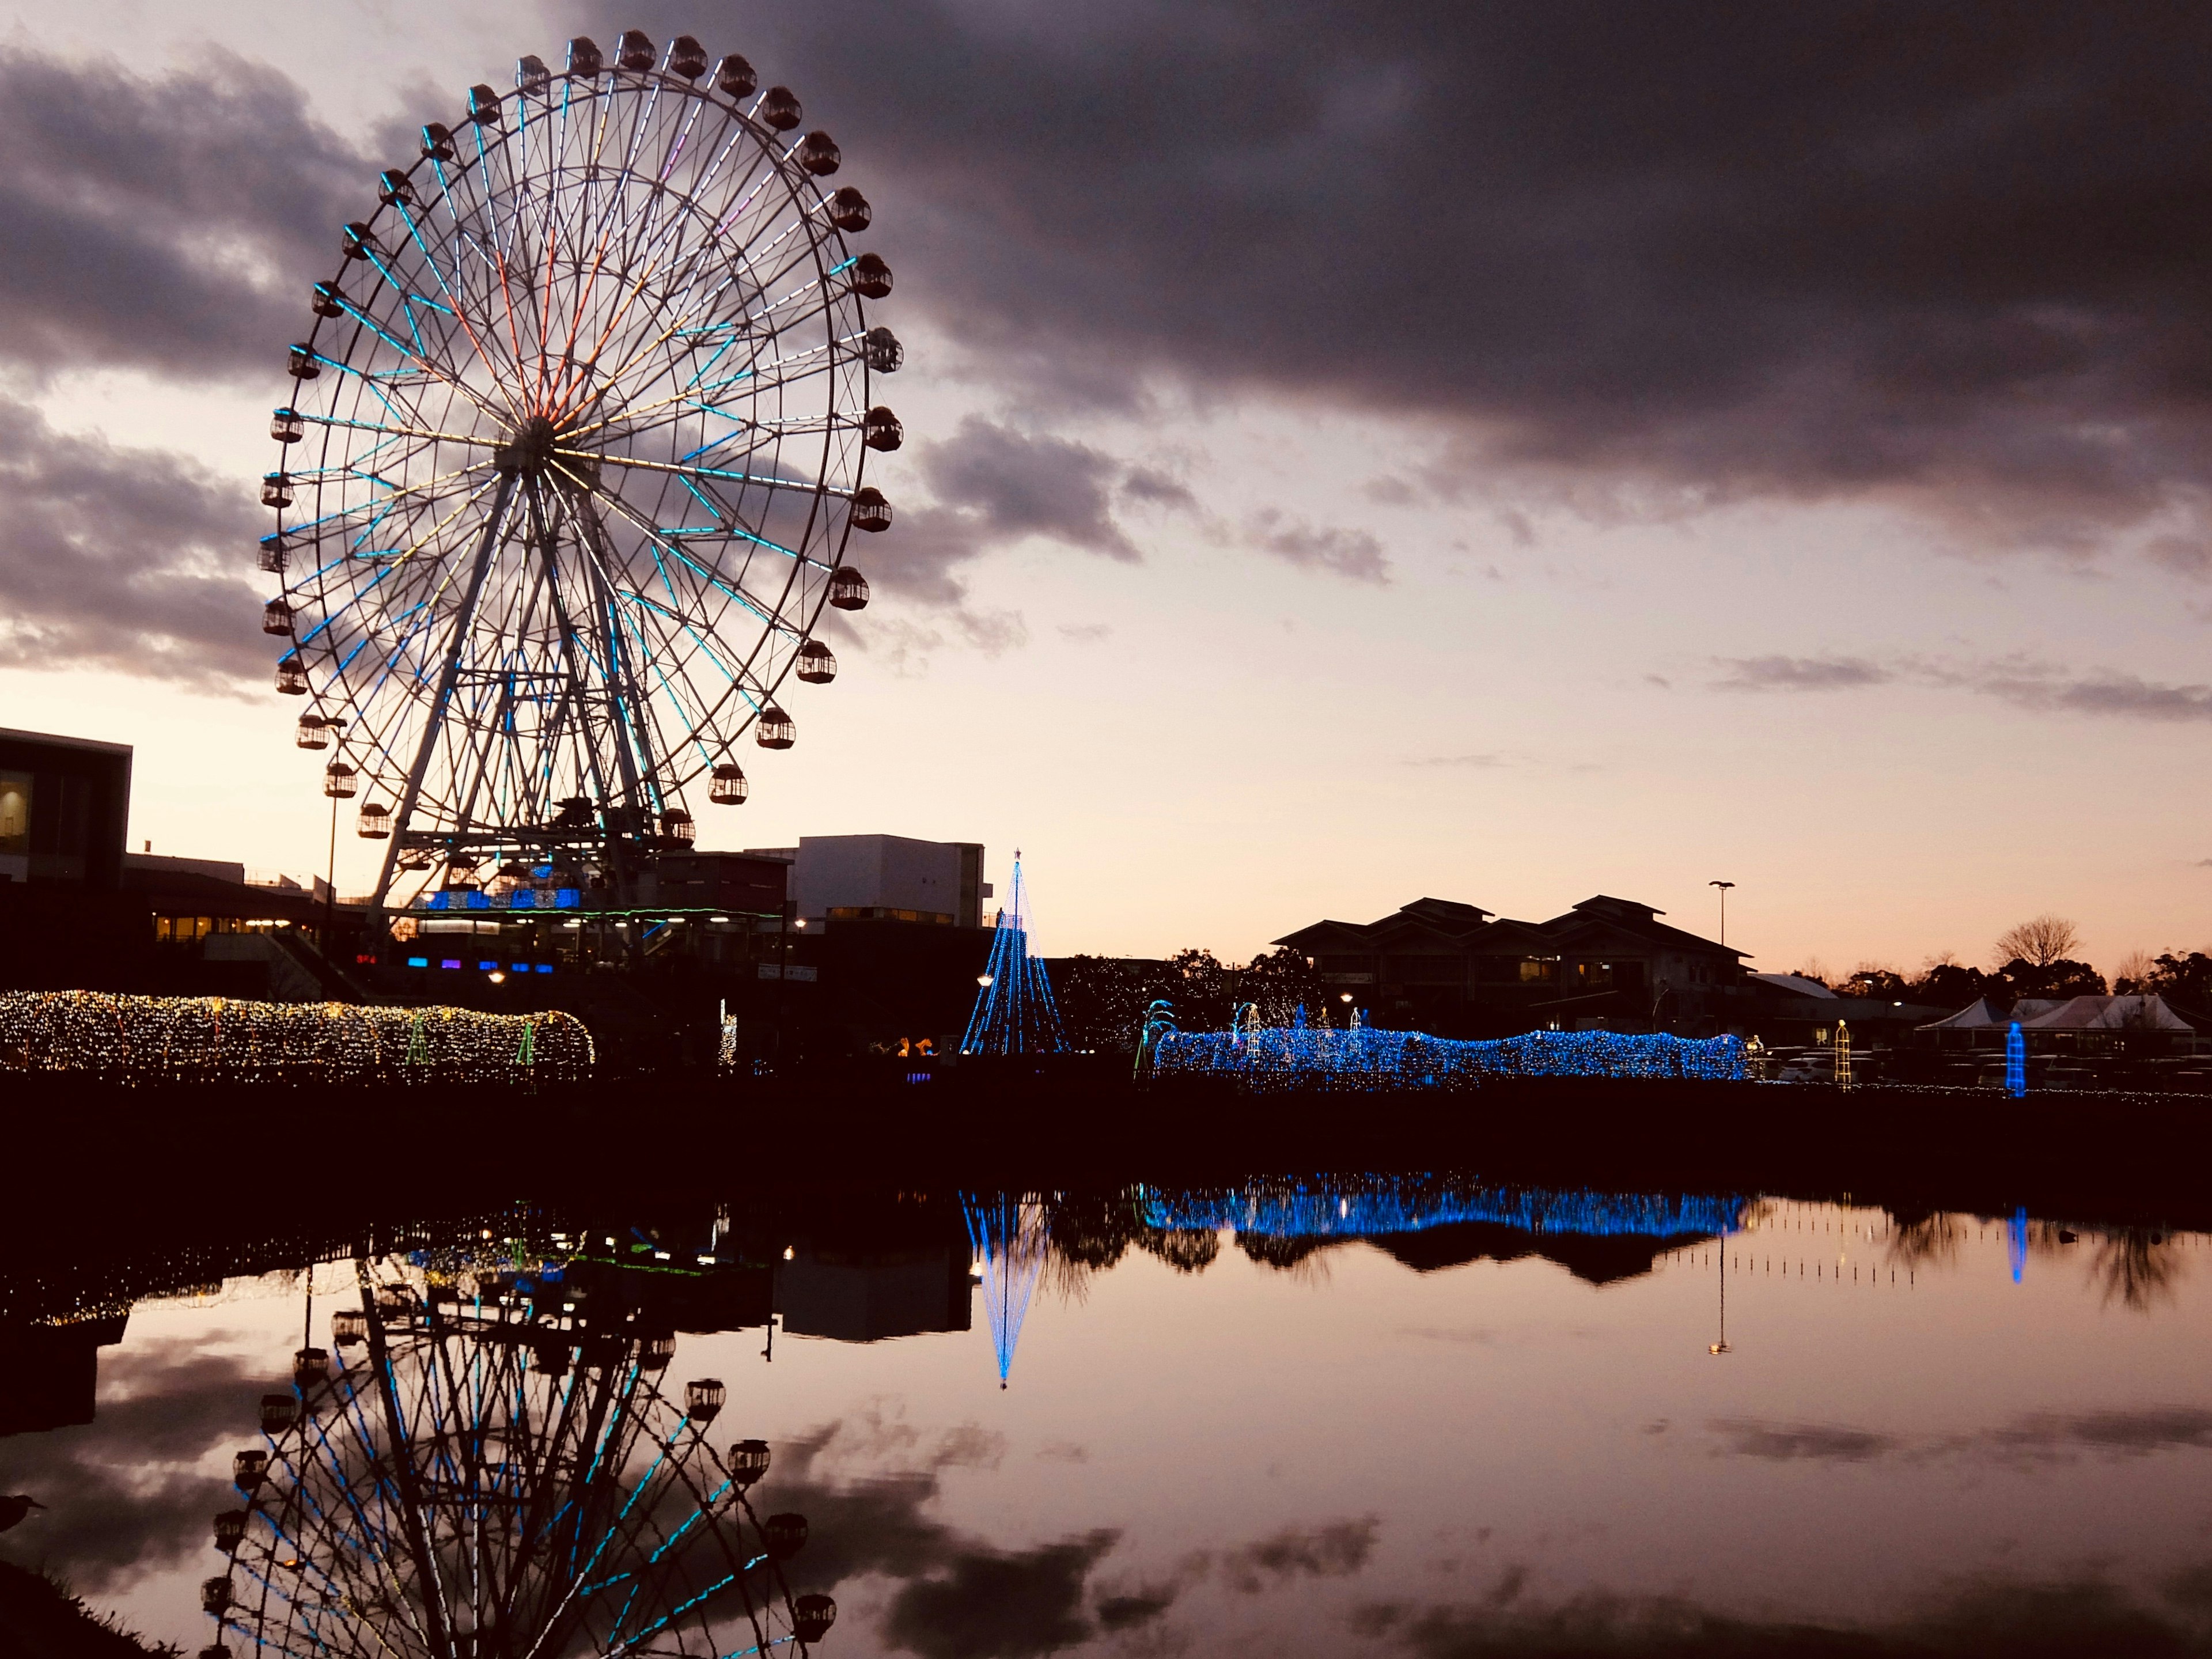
[
  {"x": 50, "y": 1374},
  {"x": 492, "y": 1467},
  {"x": 868, "y": 1296}
]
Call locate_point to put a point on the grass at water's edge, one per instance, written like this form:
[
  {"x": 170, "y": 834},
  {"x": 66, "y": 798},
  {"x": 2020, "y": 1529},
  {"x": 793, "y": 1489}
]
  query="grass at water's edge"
[{"x": 40, "y": 1619}]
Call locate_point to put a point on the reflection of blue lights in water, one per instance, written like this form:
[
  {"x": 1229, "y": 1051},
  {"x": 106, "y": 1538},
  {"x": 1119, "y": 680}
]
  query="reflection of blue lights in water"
[
  {"x": 1366, "y": 1058},
  {"x": 1379, "y": 1205},
  {"x": 1008, "y": 1236},
  {"x": 2016, "y": 1240}
]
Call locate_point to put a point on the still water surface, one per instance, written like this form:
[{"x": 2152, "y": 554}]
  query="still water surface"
[{"x": 1419, "y": 1417}]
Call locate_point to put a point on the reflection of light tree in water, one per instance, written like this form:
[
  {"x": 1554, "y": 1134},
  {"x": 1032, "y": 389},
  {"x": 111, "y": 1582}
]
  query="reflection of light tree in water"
[
  {"x": 502, "y": 1476},
  {"x": 1008, "y": 1236}
]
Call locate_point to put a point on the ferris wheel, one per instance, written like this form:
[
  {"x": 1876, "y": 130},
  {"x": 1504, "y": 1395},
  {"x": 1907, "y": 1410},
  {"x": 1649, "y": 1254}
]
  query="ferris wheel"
[
  {"x": 575, "y": 453},
  {"x": 498, "y": 1477}
]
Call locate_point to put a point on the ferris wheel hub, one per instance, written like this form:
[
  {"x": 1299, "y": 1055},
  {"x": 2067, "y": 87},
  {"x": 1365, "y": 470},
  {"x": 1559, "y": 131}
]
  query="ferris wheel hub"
[{"x": 528, "y": 453}]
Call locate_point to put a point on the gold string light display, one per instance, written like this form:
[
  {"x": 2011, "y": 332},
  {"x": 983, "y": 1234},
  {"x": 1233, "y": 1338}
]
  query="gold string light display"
[{"x": 137, "y": 1039}]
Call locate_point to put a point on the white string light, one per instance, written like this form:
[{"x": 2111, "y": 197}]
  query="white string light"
[{"x": 223, "y": 1039}]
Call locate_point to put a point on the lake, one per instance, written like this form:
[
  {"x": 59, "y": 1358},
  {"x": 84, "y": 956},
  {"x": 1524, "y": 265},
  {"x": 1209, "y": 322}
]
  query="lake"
[{"x": 1397, "y": 1413}]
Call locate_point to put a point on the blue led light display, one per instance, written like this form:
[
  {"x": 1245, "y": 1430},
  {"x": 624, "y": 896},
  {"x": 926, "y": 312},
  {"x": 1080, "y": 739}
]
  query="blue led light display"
[
  {"x": 2016, "y": 1062},
  {"x": 1015, "y": 1012},
  {"x": 418, "y": 961},
  {"x": 1367, "y": 1057}
]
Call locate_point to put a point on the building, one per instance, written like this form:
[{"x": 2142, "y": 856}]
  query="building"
[
  {"x": 50, "y": 1372},
  {"x": 870, "y": 1295},
  {"x": 1458, "y": 969},
  {"x": 64, "y": 809},
  {"x": 886, "y": 878},
  {"x": 1786, "y": 1009}
]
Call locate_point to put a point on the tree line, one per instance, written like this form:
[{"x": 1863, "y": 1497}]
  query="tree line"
[
  {"x": 2033, "y": 959},
  {"x": 1102, "y": 1000}
]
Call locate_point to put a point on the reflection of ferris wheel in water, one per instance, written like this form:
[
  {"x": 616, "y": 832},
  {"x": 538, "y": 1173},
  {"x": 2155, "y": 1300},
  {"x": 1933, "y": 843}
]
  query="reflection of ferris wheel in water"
[
  {"x": 499, "y": 1478},
  {"x": 574, "y": 455}
]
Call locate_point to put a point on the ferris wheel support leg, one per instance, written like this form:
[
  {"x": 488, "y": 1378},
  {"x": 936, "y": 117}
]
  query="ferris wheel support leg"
[
  {"x": 632, "y": 753},
  {"x": 403, "y": 1473},
  {"x": 567, "y": 624},
  {"x": 493, "y": 524}
]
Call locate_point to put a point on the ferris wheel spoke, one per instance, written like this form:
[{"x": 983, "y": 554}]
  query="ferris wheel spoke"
[
  {"x": 419, "y": 353},
  {"x": 686, "y": 399},
  {"x": 456, "y": 308},
  {"x": 657, "y": 539}
]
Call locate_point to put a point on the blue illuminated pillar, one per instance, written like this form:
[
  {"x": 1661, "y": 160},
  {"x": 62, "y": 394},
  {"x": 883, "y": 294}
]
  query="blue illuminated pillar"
[{"x": 2015, "y": 1063}]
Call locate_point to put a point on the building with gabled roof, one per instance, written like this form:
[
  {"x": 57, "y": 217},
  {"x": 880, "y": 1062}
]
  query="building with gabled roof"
[{"x": 1459, "y": 970}]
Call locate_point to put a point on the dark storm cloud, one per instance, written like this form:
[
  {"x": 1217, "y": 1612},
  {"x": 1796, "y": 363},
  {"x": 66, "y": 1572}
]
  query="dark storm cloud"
[
  {"x": 1338, "y": 1550},
  {"x": 957, "y": 1596},
  {"x": 171, "y": 224},
  {"x": 2041, "y": 1438},
  {"x": 2039, "y": 687},
  {"x": 1009, "y": 484},
  {"x": 2080, "y": 1616},
  {"x": 995, "y": 485},
  {"x": 123, "y": 1494},
  {"x": 1950, "y": 250},
  {"x": 989, "y": 1605},
  {"x": 126, "y": 559},
  {"x": 1791, "y": 1443}
]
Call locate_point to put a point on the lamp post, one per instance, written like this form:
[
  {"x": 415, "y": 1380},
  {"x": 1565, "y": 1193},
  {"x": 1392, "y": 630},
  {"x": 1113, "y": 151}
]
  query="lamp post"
[
  {"x": 1721, "y": 1346},
  {"x": 1723, "y": 886},
  {"x": 338, "y": 785}
]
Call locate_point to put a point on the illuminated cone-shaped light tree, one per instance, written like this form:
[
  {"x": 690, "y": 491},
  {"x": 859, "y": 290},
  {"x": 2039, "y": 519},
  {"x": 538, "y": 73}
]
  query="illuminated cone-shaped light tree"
[{"x": 1015, "y": 1013}]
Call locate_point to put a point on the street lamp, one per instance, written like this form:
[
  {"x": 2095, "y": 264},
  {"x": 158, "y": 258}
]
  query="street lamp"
[
  {"x": 1723, "y": 886},
  {"x": 1721, "y": 1346}
]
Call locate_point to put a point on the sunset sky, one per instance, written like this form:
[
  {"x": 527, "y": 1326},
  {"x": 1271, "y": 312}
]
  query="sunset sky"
[{"x": 1503, "y": 453}]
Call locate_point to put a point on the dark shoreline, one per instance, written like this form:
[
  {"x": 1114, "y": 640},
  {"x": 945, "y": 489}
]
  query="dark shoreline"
[{"x": 201, "y": 1156}]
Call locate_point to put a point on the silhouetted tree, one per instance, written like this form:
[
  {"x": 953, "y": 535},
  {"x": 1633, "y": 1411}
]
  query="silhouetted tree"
[
  {"x": 1278, "y": 983},
  {"x": 1186, "y": 1249},
  {"x": 1871, "y": 979},
  {"x": 1948, "y": 985},
  {"x": 2040, "y": 941},
  {"x": 2183, "y": 979},
  {"x": 2059, "y": 978},
  {"x": 1102, "y": 999}
]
